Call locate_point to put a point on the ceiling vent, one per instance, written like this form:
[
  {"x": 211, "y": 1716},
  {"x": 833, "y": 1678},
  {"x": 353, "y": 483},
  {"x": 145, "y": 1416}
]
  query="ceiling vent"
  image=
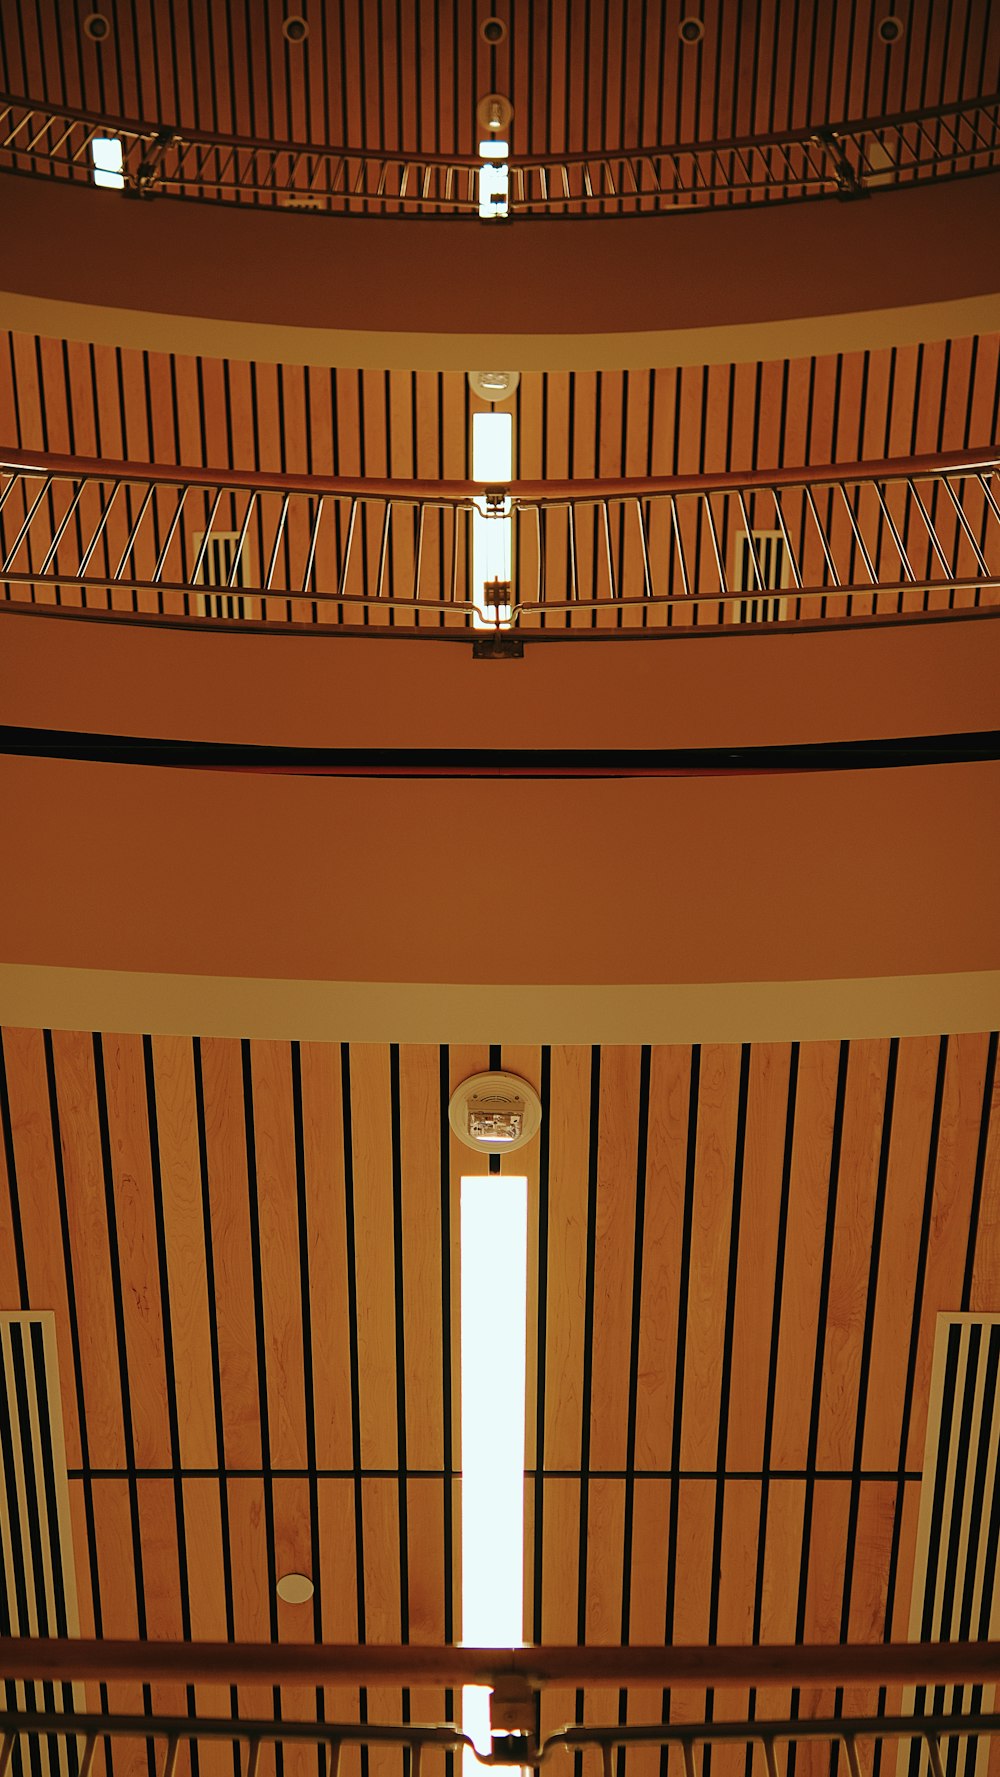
[
  {"x": 772, "y": 561},
  {"x": 38, "y": 1593},
  {"x": 217, "y": 570},
  {"x": 955, "y": 1577},
  {"x": 495, "y": 1113}
]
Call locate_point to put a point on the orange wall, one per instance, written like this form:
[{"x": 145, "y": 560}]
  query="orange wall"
[
  {"x": 889, "y": 872},
  {"x": 305, "y": 689},
  {"x": 587, "y": 276}
]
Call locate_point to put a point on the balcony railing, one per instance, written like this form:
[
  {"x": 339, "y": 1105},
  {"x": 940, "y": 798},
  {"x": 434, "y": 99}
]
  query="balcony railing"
[
  {"x": 840, "y": 160},
  {"x": 869, "y": 542},
  {"x": 936, "y": 1689}
]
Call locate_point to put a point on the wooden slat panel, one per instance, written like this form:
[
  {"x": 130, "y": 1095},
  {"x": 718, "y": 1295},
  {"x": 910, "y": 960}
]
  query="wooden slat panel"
[
  {"x": 323, "y": 1141},
  {"x": 569, "y": 1146},
  {"x": 710, "y": 1244},
  {"x": 420, "y": 1169},
  {"x": 278, "y": 1222},
  {"x": 373, "y": 1253},
  {"x": 669, "y": 1094},
  {"x": 767, "y": 1113},
  {"x": 614, "y": 1241}
]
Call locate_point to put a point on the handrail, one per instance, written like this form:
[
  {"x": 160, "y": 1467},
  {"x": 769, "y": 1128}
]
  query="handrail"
[
  {"x": 846, "y": 1663},
  {"x": 982, "y": 460},
  {"x": 844, "y": 158}
]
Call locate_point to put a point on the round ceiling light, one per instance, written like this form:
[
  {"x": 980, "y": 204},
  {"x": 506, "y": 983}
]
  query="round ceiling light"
[
  {"x": 494, "y": 385},
  {"x": 295, "y": 29},
  {"x": 493, "y": 31},
  {"x": 691, "y": 30},
  {"x": 495, "y": 1113},
  {"x": 97, "y": 27},
  {"x": 890, "y": 28},
  {"x": 295, "y": 1588},
  {"x": 493, "y": 113}
]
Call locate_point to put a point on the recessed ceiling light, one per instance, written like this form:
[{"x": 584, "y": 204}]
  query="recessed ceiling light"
[
  {"x": 494, "y": 385},
  {"x": 295, "y": 29},
  {"x": 97, "y": 27},
  {"x": 890, "y": 28},
  {"x": 493, "y": 114},
  {"x": 691, "y": 30},
  {"x": 295, "y": 1588}
]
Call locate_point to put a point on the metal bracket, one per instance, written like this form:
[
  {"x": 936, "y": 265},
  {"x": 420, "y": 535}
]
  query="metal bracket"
[
  {"x": 849, "y": 183},
  {"x": 498, "y": 647},
  {"x": 148, "y": 169}
]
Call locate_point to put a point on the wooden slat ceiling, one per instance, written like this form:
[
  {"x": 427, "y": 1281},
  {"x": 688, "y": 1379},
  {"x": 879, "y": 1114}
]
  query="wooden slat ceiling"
[
  {"x": 95, "y": 400},
  {"x": 736, "y": 1258},
  {"x": 582, "y": 74}
]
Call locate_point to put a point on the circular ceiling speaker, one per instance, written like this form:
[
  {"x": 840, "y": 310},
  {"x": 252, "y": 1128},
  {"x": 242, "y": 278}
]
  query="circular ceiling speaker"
[
  {"x": 495, "y": 1113},
  {"x": 493, "y": 114},
  {"x": 494, "y": 385},
  {"x": 691, "y": 30},
  {"x": 295, "y": 1588},
  {"x": 97, "y": 27},
  {"x": 493, "y": 31},
  {"x": 890, "y": 28},
  {"x": 295, "y": 30}
]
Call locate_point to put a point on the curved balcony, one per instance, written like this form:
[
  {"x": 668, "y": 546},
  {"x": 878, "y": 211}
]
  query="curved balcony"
[
  {"x": 847, "y": 159},
  {"x": 878, "y": 542}
]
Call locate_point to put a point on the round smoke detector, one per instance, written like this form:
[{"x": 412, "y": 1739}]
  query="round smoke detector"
[
  {"x": 495, "y": 1113},
  {"x": 97, "y": 27},
  {"x": 494, "y": 385},
  {"x": 890, "y": 28}
]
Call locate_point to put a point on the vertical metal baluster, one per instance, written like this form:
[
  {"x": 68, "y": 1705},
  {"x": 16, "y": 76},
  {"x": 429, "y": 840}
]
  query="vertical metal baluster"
[
  {"x": 751, "y": 545},
  {"x": 168, "y": 539},
  {"x": 934, "y": 1754},
  {"x": 241, "y": 539},
  {"x": 949, "y": 567},
  {"x": 770, "y": 1757},
  {"x": 984, "y": 482},
  {"x": 279, "y": 533},
  {"x": 89, "y": 1754},
  {"x": 60, "y": 529},
  {"x": 540, "y": 569},
  {"x": 203, "y": 551},
  {"x": 170, "y": 1760},
  {"x": 455, "y": 514},
  {"x": 792, "y": 557},
  {"x": 333, "y": 1764},
  {"x": 646, "y": 576},
  {"x": 311, "y": 556},
  {"x": 853, "y": 1761},
  {"x": 418, "y": 557},
  {"x": 858, "y": 538},
  {"x": 723, "y": 582},
  {"x": 415, "y": 1761},
  {"x": 676, "y": 528},
  {"x": 101, "y": 524},
  {"x": 607, "y": 1761},
  {"x": 690, "y": 1768},
  {"x": 908, "y": 573},
  {"x": 573, "y": 564},
  {"x": 253, "y": 1762},
  {"x": 26, "y": 523},
  {"x": 607, "y": 548},
  {"x": 349, "y": 539},
  {"x": 963, "y": 521},
  {"x": 7, "y": 1744},
  {"x": 134, "y": 532},
  {"x": 831, "y": 564},
  {"x": 383, "y": 548}
]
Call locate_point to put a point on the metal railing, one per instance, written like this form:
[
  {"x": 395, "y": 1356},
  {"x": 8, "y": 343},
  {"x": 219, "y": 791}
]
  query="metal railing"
[
  {"x": 937, "y": 1736},
  {"x": 871, "y": 542},
  {"x": 845, "y": 159}
]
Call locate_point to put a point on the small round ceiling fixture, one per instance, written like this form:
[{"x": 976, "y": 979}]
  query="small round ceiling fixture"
[
  {"x": 97, "y": 27},
  {"x": 493, "y": 31},
  {"x": 494, "y": 385},
  {"x": 890, "y": 29},
  {"x": 495, "y": 1113},
  {"x": 295, "y": 29},
  {"x": 691, "y": 30},
  {"x": 295, "y": 1588},
  {"x": 493, "y": 114}
]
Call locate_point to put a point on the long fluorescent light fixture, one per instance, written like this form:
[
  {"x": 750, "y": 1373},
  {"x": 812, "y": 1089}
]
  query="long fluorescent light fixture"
[
  {"x": 492, "y": 541},
  {"x": 494, "y": 1244},
  {"x": 492, "y": 449},
  {"x": 108, "y": 157},
  {"x": 494, "y": 190}
]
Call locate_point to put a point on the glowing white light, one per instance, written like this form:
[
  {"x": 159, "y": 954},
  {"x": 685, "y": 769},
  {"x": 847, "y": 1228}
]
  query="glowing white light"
[
  {"x": 108, "y": 157},
  {"x": 494, "y": 1296},
  {"x": 493, "y": 149},
  {"x": 492, "y": 536},
  {"x": 493, "y": 189},
  {"x": 492, "y": 449}
]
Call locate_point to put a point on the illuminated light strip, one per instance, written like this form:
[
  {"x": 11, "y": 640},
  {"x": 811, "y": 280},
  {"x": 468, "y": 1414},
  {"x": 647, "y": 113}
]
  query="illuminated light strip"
[
  {"x": 492, "y": 531},
  {"x": 108, "y": 157},
  {"x": 494, "y": 1241}
]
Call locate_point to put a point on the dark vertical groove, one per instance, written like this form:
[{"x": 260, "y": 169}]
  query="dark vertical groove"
[
  {"x": 447, "y": 1410},
  {"x": 308, "y": 1377},
  {"x": 400, "y": 1314},
  {"x": 352, "y": 1310},
  {"x": 588, "y": 1351},
  {"x": 641, "y": 1165},
  {"x": 545, "y": 1093},
  {"x": 977, "y": 1187}
]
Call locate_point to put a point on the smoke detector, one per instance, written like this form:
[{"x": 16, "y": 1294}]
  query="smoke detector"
[
  {"x": 495, "y": 1113},
  {"x": 494, "y": 385}
]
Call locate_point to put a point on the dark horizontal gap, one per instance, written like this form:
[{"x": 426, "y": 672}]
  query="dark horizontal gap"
[
  {"x": 836, "y": 755},
  {"x": 549, "y": 1474}
]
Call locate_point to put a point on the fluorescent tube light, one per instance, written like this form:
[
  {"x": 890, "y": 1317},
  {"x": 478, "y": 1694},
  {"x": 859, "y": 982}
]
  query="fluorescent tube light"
[
  {"x": 108, "y": 157},
  {"x": 494, "y": 1240},
  {"x": 491, "y": 561},
  {"x": 493, "y": 190},
  {"x": 493, "y": 148},
  {"x": 492, "y": 449}
]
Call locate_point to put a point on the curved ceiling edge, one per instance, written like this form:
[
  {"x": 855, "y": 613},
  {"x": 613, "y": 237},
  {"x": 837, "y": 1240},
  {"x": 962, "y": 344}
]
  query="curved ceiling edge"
[
  {"x": 354, "y": 349},
  {"x": 42, "y": 997}
]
